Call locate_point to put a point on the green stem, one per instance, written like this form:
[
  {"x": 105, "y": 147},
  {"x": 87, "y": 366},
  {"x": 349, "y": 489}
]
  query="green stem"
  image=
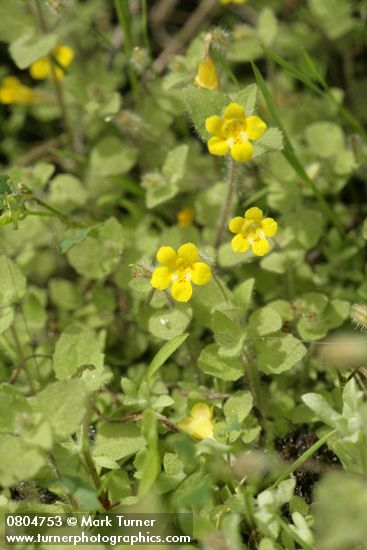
[
  {"x": 220, "y": 286},
  {"x": 145, "y": 26},
  {"x": 303, "y": 458},
  {"x": 55, "y": 80},
  {"x": 232, "y": 175},
  {"x": 294, "y": 535},
  {"x": 20, "y": 354},
  {"x": 225, "y": 508},
  {"x": 252, "y": 379},
  {"x": 122, "y": 10},
  {"x": 91, "y": 468}
]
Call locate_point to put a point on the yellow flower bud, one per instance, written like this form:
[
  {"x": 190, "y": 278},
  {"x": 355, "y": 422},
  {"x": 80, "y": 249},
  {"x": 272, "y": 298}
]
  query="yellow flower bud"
[
  {"x": 185, "y": 217},
  {"x": 207, "y": 75}
]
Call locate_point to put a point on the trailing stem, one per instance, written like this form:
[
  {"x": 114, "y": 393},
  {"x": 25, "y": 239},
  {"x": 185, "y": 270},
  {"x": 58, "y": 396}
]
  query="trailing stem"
[
  {"x": 252, "y": 379},
  {"x": 56, "y": 82},
  {"x": 91, "y": 468},
  {"x": 232, "y": 176}
]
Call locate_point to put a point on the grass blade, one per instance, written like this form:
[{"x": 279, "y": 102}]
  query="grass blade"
[{"x": 289, "y": 151}]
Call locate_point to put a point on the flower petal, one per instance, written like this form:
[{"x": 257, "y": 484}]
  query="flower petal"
[
  {"x": 240, "y": 244},
  {"x": 254, "y": 213},
  {"x": 161, "y": 278},
  {"x": 198, "y": 429},
  {"x": 261, "y": 247},
  {"x": 236, "y": 224},
  {"x": 234, "y": 110},
  {"x": 201, "y": 273},
  {"x": 207, "y": 75},
  {"x": 64, "y": 55},
  {"x": 202, "y": 410},
  {"x": 242, "y": 151},
  {"x": 167, "y": 256},
  {"x": 182, "y": 291},
  {"x": 255, "y": 127},
  {"x": 218, "y": 146},
  {"x": 40, "y": 69},
  {"x": 213, "y": 125},
  {"x": 269, "y": 226},
  {"x": 188, "y": 252}
]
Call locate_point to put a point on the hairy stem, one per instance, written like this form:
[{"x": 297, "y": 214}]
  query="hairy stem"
[
  {"x": 55, "y": 80},
  {"x": 232, "y": 176}
]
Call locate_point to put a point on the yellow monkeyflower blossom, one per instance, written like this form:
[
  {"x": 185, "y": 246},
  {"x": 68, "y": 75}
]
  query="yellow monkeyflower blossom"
[
  {"x": 252, "y": 230},
  {"x": 233, "y": 132},
  {"x": 199, "y": 424},
  {"x": 185, "y": 217},
  {"x": 207, "y": 75},
  {"x": 180, "y": 269},
  {"x": 42, "y": 68},
  {"x": 225, "y": 2},
  {"x": 13, "y": 91}
]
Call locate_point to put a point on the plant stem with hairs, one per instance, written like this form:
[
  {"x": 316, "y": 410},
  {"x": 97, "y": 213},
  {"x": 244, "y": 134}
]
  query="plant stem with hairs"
[
  {"x": 226, "y": 212},
  {"x": 56, "y": 82}
]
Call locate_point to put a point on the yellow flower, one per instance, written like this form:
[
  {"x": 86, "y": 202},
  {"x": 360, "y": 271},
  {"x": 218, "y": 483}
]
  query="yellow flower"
[
  {"x": 199, "y": 424},
  {"x": 185, "y": 217},
  {"x": 233, "y": 1},
  {"x": 207, "y": 75},
  {"x": 252, "y": 230},
  {"x": 180, "y": 269},
  {"x": 13, "y": 91},
  {"x": 42, "y": 68},
  {"x": 233, "y": 132}
]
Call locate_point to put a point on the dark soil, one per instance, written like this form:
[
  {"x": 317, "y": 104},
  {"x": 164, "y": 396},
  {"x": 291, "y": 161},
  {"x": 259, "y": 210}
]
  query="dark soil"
[{"x": 292, "y": 446}]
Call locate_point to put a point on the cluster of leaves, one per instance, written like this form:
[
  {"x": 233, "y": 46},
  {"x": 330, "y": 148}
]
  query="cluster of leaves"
[{"x": 96, "y": 369}]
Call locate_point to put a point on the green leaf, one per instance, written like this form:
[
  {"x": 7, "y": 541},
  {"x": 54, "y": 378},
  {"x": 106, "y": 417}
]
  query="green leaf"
[
  {"x": 227, "y": 333},
  {"x": 303, "y": 232},
  {"x": 118, "y": 441},
  {"x": 65, "y": 295},
  {"x": 77, "y": 347},
  {"x": 19, "y": 460},
  {"x": 247, "y": 98},
  {"x": 163, "y": 354},
  {"x": 202, "y": 104},
  {"x": 152, "y": 463},
  {"x": 4, "y": 186},
  {"x": 175, "y": 164},
  {"x": 267, "y": 26},
  {"x": 321, "y": 408},
  {"x": 12, "y": 282},
  {"x": 98, "y": 254},
  {"x": 76, "y": 238},
  {"x": 12, "y": 405},
  {"x": 168, "y": 324},
  {"x": 15, "y": 20},
  {"x": 325, "y": 139},
  {"x": 67, "y": 193},
  {"x": 271, "y": 141},
  {"x": 63, "y": 404},
  {"x": 161, "y": 193},
  {"x": 28, "y": 48},
  {"x": 264, "y": 321},
  {"x": 211, "y": 362},
  {"x": 279, "y": 355},
  {"x": 339, "y": 507},
  {"x": 238, "y": 406},
  {"x": 243, "y": 293},
  {"x": 111, "y": 157},
  {"x": 6, "y": 318}
]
